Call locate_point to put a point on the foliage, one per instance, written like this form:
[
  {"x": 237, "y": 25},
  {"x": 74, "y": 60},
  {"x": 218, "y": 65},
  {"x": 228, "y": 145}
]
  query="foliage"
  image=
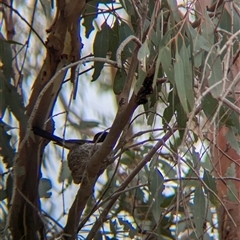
[{"x": 170, "y": 70}]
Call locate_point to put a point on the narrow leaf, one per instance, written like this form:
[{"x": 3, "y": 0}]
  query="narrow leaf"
[
  {"x": 199, "y": 211},
  {"x": 173, "y": 6},
  {"x": 215, "y": 74},
  {"x": 143, "y": 55},
  {"x": 232, "y": 139},
  {"x": 210, "y": 182},
  {"x": 6, "y": 150},
  {"x": 89, "y": 15},
  {"x": 124, "y": 32},
  {"x": 100, "y": 48},
  {"x": 188, "y": 73},
  {"x": 156, "y": 187},
  {"x": 180, "y": 82},
  {"x": 232, "y": 193},
  {"x": 119, "y": 81},
  {"x": 43, "y": 189}
]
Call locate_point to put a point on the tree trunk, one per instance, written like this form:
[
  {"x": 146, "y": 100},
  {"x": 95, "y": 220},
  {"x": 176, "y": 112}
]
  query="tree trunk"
[{"x": 63, "y": 47}]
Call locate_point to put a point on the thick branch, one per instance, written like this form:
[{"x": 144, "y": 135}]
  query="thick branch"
[
  {"x": 94, "y": 164},
  {"x": 24, "y": 219}
]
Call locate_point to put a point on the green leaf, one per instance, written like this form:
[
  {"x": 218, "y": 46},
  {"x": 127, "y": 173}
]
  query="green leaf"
[
  {"x": 181, "y": 118},
  {"x": 188, "y": 73},
  {"x": 231, "y": 171},
  {"x": 127, "y": 4},
  {"x": 6, "y": 72},
  {"x": 113, "y": 226},
  {"x": 6, "y": 150},
  {"x": 156, "y": 187},
  {"x": 199, "y": 210},
  {"x": 209, "y": 105},
  {"x": 140, "y": 79},
  {"x": 127, "y": 226},
  {"x": 194, "y": 163},
  {"x": 169, "y": 110},
  {"x": 232, "y": 193},
  {"x": 9, "y": 188},
  {"x": 168, "y": 169},
  {"x": 3, "y": 194},
  {"x": 168, "y": 201},
  {"x": 143, "y": 55},
  {"x": 90, "y": 13},
  {"x": 65, "y": 173},
  {"x": 180, "y": 82},
  {"x": 208, "y": 29},
  {"x": 119, "y": 81},
  {"x": 43, "y": 189},
  {"x": 6, "y": 58},
  {"x": 215, "y": 74},
  {"x": 226, "y": 21},
  {"x": 100, "y": 48},
  {"x": 210, "y": 182},
  {"x": 114, "y": 36},
  {"x": 232, "y": 139},
  {"x": 173, "y": 6},
  {"x": 88, "y": 124},
  {"x": 166, "y": 61},
  {"x": 15, "y": 104},
  {"x": 124, "y": 32},
  {"x": 199, "y": 42}
]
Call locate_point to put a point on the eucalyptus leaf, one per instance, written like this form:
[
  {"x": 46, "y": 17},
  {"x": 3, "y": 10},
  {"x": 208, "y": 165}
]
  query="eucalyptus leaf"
[
  {"x": 232, "y": 138},
  {"x": 43, "y": 189},
  {"x": 127, "y": 4},
  {"x": 90, "y": 14},
  {"x": 180, "y": 82},
  {"x": 199, "y": 209},
  {"x": 186, "y": 57},
  {"x": 231, "y": 171},
  {"x": 65, "y": 172},
  {"x": 173, "y": 6},
  {"x": 88, "y": 124},
  {"x": 208, "y": 28},
  {"x": 6, "y": 150},
  {"x": 232, "y": 192},
  {"x": 114, "y": 39},
  {"x": 125, "y": 31},
  {"x": 199, "y": 42},
  {"x": 156, "y": 187},
  {"x": 214, "y": 74},
  {"x": 210, "y": 182},
  {"x": 166, "y": 61},
  {"x": 100, "y": 48},
  {"x": 143, "y": 55},
  {"x": 119, "y": 81},
  {"x": 3, "y": 194}
]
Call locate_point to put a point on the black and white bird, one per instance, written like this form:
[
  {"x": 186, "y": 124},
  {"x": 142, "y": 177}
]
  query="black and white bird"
[{"x": 80, "y": 152}]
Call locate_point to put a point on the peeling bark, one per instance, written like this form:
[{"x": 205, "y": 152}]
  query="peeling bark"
[{"x": 63, "y": 46}]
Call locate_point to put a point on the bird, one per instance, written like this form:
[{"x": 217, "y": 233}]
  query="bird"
[
  {"x": 80, "y": 151},
  {"x": 69, "y": 143}
]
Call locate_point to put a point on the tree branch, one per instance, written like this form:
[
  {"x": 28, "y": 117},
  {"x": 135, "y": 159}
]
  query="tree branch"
[{"x": 135, "y": 171}]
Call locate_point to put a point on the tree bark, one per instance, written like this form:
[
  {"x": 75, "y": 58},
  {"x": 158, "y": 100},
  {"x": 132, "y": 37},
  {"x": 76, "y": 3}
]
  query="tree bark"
[
  {"x": 63, "y": 47},
  {"x": 223, "y": 156}
]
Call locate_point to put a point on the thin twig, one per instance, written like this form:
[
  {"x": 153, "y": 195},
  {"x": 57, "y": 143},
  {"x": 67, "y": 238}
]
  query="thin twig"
[
  {"x": 123, "y": 45},
  {"x": 135, "y": 171}
]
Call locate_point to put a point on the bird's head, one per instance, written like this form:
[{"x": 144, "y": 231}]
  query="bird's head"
[{"x": 100, "y": 137}]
